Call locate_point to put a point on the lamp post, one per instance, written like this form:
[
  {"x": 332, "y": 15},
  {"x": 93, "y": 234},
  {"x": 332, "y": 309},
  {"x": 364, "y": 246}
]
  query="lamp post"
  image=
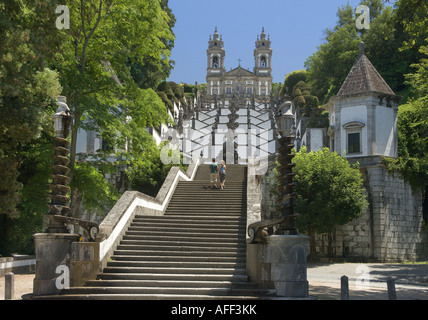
[{"x": 286, "y": 128}]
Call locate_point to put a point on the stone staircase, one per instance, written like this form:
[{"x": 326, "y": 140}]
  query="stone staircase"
[{"x": 197, "y": 250}]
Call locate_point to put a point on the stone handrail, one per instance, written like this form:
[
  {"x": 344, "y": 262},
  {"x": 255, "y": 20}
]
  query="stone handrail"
[
  {"x": 121, "y": 215},
  {"x": 256, "y": 230}
]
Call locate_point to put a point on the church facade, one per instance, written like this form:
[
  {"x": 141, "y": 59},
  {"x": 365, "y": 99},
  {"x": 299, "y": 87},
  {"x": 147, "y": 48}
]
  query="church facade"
[{"x": 257, "y": 83}]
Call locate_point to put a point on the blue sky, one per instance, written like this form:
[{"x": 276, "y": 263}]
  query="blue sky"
[{"x": 296, "y": 28}]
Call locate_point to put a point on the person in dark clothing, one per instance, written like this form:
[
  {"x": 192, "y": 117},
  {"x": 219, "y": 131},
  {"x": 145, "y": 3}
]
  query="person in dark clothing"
[{"x": 213, "y": 174}]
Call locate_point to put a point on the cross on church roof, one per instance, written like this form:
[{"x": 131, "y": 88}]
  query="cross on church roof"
[{"x": 239, "y": 61}]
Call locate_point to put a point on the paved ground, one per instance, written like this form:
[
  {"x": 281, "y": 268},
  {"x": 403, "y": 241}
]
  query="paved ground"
[
  {"x": 366, "y": 281},
  {"x": 23, "y": 285}
]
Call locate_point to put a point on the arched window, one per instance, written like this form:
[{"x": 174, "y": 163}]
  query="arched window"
[
  {"x": 215, "y": 62},
  {"x": 263, "y": 63}
]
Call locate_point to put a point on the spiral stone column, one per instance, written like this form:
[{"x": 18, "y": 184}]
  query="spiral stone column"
[
  {"x": 286, "y": 184},
  {"x": 59, "y": 204}
]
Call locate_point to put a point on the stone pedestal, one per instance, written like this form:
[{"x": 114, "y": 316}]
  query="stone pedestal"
[
  {"x": 84, "y": 263},
  {"x": 280, "y": 263},
  {"x": 287, "y": 255},
  {"x": 53, "y": 253}
]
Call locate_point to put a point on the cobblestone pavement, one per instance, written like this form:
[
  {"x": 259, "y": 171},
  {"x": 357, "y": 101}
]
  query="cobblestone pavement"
[{"x": 366, "y": 281}]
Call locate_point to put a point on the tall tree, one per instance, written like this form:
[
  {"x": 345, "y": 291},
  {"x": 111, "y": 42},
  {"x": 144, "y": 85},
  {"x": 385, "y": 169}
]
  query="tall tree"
[
  {"x": 104, "y": 36},
  {"x": 329, "y": 65},
  {"x": 28, "y": 90},
  {"x": 27, "y": 87},
  {"x": 149, "y": 73}
]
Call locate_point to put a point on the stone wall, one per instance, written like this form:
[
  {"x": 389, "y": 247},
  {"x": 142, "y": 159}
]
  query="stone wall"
[
  {"x": 260, "y": 199},
  {"x": 392, "y": 228}
]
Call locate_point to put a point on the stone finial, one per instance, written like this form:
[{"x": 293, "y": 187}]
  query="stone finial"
[{"x": 62, "y": 105}]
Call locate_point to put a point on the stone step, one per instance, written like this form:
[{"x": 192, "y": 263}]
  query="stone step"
[
  {"x": 193, "y": 218},
  {"x": 142, "y": 234},
  {"x": 186, "y": 225},
  {"x": 175, "y": 264},
  {"x": 179, "y": 240},
  {"x": 183, "y": 231},
  {"x": 213, "y": 292},
  {"x": 203, "y": 182},
  {"x": 170, "y": 283},
  {"x": 209, "y": 194},
  {"x": 202, "y": 185},
  {"x": 175, "y": 270},
  {"x": 181, "y": 253},
  {"x": 204, "y": 209},
  {"x": 207, "y": 201},
  {"x": 182, "y": 244},
  {"x": 207, "y": 211},
  {"x": 173, "y": 277},
  {"x": 177, "y": 225},
  {"x": 179, "y": 258},
  {"x": 259, "y": 294}
]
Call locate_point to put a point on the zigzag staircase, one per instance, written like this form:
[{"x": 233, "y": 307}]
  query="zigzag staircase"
[{"x": 197, "y": 250}]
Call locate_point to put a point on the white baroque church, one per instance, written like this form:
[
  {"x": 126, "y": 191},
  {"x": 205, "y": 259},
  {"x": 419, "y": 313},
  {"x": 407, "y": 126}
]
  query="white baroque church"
[{"x": 223, "y": 83}]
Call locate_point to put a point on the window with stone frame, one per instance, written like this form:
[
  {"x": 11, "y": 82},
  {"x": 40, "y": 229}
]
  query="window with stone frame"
[
  {"x": 353, "y": 137},
  {"x": 354, "y": 142}
]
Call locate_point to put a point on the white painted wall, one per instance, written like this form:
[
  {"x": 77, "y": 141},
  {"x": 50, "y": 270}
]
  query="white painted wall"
[
  {"x": 385, "y": 127},
  {"x": 81, "y": 141},
  {"x": 316, "y": 139}
]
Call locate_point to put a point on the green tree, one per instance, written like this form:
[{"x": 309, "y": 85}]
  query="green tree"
[
  {"x": 149, "y": 72},
  {"x": 328, "y": 67},
  {"x": 106, "y": 38},
  {"x": 16, "y": 233},
  {"x": 291, "y": 80},
  {"x": 148, "y": 172},
  {"x": 329, "y": 192},
  {"x": 27, "y": 88}
]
